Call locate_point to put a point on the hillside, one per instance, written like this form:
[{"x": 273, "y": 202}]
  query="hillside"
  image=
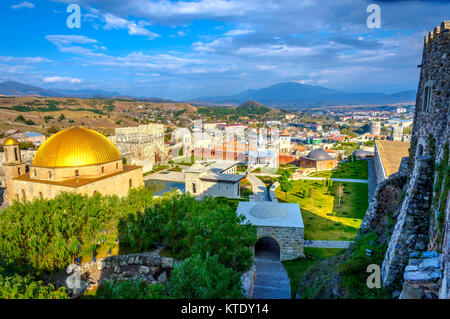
[
  {"x": 20, "y": 89},
  {"x": 29, "y": 113}
]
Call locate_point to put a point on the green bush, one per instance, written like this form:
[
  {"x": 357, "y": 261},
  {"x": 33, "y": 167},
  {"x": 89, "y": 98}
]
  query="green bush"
[
  {"x": 128, "y": 289},
  {"x": 198, "y": 278}
]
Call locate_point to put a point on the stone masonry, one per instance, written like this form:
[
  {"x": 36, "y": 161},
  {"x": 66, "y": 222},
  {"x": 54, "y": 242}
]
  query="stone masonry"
[
  {"x": 410, "y": 232},
  {"x": 290, "y": 240},
  {"x": 423, "y": 222}
]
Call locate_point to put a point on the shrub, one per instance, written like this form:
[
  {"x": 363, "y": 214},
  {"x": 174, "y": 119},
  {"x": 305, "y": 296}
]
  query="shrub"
[
  {"x": 128, "y": 289},
  {"x": 197, "y": 278}
]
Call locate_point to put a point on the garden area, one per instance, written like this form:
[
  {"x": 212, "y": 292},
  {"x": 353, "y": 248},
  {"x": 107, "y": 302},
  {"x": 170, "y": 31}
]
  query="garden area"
[
  {"x": 330, "y": 210},
  {"x": 354, "y": 170},
  {"x": 45, "y": 236},
  {"x": 246, "y": 189}
]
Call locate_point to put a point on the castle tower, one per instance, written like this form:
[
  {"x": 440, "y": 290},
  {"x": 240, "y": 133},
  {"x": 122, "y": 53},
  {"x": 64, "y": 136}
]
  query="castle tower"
[
  {"x": 375, "y": 128},
  {"x": 13, "y": 166},
  {"x": 396, "y": 133}
]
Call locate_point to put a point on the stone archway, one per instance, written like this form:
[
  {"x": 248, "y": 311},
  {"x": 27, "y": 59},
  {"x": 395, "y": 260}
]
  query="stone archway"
[{"x": 267, "y": 248}]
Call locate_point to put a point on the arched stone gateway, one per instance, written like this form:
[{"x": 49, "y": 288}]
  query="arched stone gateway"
[
  {"x": 279, "y": 222},
  {"x": 267, "y": 248}
]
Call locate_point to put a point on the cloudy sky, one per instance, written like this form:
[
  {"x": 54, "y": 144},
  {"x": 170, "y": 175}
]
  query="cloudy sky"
[{"x": 186, "y": 49}]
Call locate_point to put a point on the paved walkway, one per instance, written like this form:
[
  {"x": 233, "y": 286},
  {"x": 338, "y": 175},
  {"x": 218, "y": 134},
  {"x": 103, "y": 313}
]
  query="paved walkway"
[
  {"x": 327, "y": 243},
  {"x": 260, "y": 193},
  {"x": 348, "y": 180},
  {"x": 272, "y": 281}
]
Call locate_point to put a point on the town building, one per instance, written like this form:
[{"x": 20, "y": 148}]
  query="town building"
[
  {"x": 75, "y": 160},
  {"x": 217, "y": 179},
  {"x": 285, "y": 141}
]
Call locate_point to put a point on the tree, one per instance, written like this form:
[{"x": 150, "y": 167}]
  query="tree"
[
  {"x": 198, "y": 278},
  {"x": 285, "y": 185},
  {"x": 340, "y": 192}
]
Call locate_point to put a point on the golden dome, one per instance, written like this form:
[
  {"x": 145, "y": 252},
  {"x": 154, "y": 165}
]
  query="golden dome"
[
  {"x": 76, "y": 146},
  {"x": 10, "y": 141}
]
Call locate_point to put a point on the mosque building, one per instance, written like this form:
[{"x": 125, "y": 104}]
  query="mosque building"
[
  {"x": 318, "y": 159},
  {"x": 75, "y": 160}
]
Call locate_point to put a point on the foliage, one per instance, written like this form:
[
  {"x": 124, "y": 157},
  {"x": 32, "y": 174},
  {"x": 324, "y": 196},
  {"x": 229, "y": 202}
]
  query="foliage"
[
  {"x": 191, "y": 227},
  {"x": 15, "y": 285},
  {"x": 128, "y": 289},
  {"x": 204, "y": 278},
  {"x": 26, "y": 145},
  {"x": 48, "y": 234},
  {"x": 285, "y": 184}
]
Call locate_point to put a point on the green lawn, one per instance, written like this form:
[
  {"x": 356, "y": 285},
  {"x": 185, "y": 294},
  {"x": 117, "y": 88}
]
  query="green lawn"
[
  {"x": 356, "y": 170},
  {"x": 323, "y": 217},
  {"x": 296, "y": 268}
]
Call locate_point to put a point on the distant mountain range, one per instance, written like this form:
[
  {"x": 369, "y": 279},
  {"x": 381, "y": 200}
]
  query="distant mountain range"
[
  {"x": 20, "y": 89},
  {"x": 294, "y": 95},
  {"x": 286, "y": 95}
]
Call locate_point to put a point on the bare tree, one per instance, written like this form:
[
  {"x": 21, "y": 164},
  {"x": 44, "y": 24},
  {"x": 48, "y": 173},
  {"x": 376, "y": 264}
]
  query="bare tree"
[{"x": 340, "y": 192}]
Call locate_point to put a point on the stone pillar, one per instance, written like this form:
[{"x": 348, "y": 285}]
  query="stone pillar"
[{"x": 410, "y": 232}]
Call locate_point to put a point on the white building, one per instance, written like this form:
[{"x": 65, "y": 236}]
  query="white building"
[{"x": 218, "y": 179}]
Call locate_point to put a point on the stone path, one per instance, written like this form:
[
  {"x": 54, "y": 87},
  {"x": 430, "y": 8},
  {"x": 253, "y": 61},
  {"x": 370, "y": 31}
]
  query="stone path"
[
  {"x": 348, "y": 180},
  {"x": 260, "y": 193},
  {"x": 327, "y": 243},
  {"x": 272, "y": 281}
]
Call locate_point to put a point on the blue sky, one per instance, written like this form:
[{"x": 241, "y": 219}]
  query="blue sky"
[{"x": 187, "y": 49}]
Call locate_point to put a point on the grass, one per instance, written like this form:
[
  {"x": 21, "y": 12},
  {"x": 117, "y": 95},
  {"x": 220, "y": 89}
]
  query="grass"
[
  {"x": 296, "y": 268},
  {"x": 323, "y": 217},
  {"x": 175, "y": 169},
  {"x": 355, "y": 170}
]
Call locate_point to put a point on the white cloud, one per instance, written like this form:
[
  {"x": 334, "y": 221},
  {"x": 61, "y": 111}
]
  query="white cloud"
[
  {"x": 238, "y": 32},
  {"x": 25, "y": 60},
  {"x": 115, "y": 22},
  {"x": 265, "y": 67},
  {"x": 59, "y": 79},
  {"x": 59, "y": 40},
  {"x": 24, "y": 4},
  {"x": 134, "y": 29}
]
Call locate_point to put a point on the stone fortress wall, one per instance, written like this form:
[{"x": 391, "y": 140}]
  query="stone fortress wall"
[{"x": 418, "y": 251}]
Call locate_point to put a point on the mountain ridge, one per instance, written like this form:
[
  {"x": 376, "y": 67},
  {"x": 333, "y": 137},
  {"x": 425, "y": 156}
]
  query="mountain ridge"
[{"x": 292, "y": 94}]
